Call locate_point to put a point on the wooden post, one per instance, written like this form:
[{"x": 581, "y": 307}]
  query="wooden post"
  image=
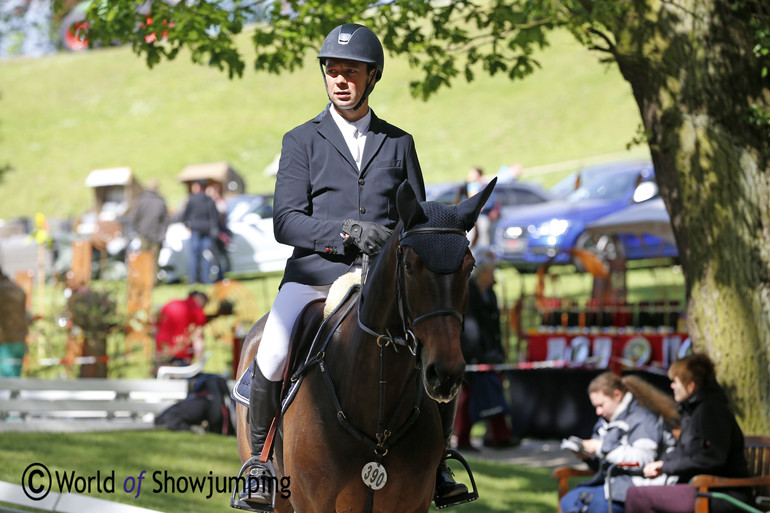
[
  {"x": 140, "y": 283},
  {"x": 26, "y": 279},
  {"x": 79, "y": 274}
]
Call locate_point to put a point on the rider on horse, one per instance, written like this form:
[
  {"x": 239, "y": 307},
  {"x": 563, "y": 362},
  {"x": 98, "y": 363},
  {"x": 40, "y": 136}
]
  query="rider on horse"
[{"x": 334, "y": 201}]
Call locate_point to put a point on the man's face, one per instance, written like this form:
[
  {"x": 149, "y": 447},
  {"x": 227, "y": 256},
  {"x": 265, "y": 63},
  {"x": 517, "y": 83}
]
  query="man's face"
[
  {"x": 346, "y": 82},
  {"x": 604, "y": 404}
]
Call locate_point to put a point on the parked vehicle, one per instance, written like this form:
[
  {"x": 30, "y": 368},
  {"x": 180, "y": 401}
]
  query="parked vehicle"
[
  {"x": 252, "y": 247},
  {"x": 508, "y": 194},
  {"x": 572, "y": 181},
  {"x": 534, "y": 235},
  {"x": 647, "y": 218}
]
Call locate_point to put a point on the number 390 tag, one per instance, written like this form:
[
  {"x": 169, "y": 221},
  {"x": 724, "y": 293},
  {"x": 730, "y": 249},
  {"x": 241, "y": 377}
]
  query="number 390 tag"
[{"x": 374, "y": 475}]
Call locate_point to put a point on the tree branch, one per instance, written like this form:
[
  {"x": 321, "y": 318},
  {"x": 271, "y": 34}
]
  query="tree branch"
[{"x": 610, "y": 45}]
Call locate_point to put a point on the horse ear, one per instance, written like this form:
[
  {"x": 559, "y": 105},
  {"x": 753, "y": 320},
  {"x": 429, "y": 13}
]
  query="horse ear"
[
  {"x": 469, "y": 209},
  {"x": 409, "y": 209}
]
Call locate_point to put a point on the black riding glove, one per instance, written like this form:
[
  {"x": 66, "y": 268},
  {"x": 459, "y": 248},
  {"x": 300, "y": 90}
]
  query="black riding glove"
[{"x": 368, "y": 236}]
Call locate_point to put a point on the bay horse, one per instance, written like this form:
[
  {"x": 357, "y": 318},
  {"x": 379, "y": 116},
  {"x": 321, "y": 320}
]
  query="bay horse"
[{"x": 363, "y": 431}]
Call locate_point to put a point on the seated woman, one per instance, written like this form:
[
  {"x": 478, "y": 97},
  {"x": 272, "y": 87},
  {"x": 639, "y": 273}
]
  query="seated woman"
[
  {"x": 626, "y": 432},
  {"x": 710, "y": 443}
]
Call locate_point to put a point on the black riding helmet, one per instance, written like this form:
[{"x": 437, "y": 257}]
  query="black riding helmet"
[{"x": 354, "y": 42}]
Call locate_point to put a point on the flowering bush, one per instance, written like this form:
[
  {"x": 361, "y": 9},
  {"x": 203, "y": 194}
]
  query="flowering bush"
[
  {"x": 92, "y": 316},
  {"x": 93, "y": 312}
]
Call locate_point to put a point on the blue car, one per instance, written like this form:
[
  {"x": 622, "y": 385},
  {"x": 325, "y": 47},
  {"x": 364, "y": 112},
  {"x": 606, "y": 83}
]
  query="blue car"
[{"x": 532, "y": 235}]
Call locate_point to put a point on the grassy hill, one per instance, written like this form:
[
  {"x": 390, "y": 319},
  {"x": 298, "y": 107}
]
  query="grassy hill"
[{"x": 65, "y": 115}]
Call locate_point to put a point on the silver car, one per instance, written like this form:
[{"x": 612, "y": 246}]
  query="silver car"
[{"x": 252, "y": 247}]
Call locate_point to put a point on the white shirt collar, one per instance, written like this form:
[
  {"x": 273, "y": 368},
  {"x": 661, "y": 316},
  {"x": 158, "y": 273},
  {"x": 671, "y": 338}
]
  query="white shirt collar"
[
  {"x": 362, "y": 124},
  {"x": 355, "y": 144}
]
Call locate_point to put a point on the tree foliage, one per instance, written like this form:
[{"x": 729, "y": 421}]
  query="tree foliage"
[{"x": 445, "y": 41}]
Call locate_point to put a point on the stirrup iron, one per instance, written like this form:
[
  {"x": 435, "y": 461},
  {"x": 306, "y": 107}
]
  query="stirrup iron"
[
  {"x": 462, "y": 498},
  {"x": 239, "y": 502}
]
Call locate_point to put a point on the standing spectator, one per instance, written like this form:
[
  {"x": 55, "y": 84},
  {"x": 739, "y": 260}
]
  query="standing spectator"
[
  {"x": 626, "y": 432},
  {"x": 223, "y": 237},
  {"x": 179, "y": 335},
  {"x": 510, "y": 173},
  {"x": 480, "y": 235},
  {"x": 149, "y": 218},
  {"x": 202, "y": 218},
  {"x": 481, "y": 343},
  {"x": 711, "y": 442},
  {"x": 13, "y": 327}
]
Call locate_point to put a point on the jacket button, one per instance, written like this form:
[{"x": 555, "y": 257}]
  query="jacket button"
[
  {"x": 361, "y": 181},
  {"x": 362, "y": 210}
]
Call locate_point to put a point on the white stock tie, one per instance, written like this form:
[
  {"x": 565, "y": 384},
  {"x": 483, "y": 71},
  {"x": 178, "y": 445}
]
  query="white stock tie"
[{"x": 357, "y": 143}]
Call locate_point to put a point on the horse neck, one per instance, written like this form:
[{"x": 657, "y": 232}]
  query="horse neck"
[
  {"x": 378, "y": 308},
  {"x": 378, "y": 311}
]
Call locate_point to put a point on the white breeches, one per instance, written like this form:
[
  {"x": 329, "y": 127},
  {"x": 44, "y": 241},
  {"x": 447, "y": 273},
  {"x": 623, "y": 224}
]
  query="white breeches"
[{"x": 274, "y": 349}]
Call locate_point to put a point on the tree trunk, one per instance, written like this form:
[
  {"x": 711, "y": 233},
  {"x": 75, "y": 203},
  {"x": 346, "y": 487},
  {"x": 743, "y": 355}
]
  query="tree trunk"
[{"x": 694, "y": 76}]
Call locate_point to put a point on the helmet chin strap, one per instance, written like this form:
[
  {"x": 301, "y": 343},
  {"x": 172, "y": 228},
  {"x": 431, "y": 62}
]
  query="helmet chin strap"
[{"x": 369, "y": 89}]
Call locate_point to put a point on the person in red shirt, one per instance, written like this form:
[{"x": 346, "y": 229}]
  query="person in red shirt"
[{"x": 179, "y": 335}]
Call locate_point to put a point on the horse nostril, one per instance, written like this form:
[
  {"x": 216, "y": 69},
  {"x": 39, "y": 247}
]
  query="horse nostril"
[
  {"x": 431, "y": 376},
  {"x": 439, "y": 377}
]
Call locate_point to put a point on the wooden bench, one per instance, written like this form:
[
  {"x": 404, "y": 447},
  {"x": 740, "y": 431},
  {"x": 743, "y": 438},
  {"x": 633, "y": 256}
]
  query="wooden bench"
[
  {"x": 757, "y": 449},
  {"x": 79, "y": 404},
  {"x": 563, "y": 474}
]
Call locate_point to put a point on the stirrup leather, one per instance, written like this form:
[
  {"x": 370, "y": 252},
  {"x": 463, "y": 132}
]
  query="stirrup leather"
[{"x": 446, "y": 502}]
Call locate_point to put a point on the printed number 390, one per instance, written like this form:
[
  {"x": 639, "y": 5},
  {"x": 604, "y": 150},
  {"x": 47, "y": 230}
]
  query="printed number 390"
[{"x": 374, "y": 475}]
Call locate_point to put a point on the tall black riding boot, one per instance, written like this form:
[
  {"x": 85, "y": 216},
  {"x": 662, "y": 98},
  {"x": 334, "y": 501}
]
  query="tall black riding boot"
[
  {"x": 446, "y": 486},
  {"x": 264, "y": 401}
]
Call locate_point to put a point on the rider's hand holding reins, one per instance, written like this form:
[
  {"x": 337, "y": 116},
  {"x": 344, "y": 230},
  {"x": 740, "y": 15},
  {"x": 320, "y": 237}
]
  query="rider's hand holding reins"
[{"x": 368, "y": 236}]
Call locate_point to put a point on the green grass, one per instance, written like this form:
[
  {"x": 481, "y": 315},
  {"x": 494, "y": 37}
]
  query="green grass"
[
  {"x": 65, "y": 115},
  {"x": 502, "y": 487}
]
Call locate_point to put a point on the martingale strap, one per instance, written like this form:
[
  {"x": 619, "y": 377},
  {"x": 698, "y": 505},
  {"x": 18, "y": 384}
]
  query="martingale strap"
[{"x": 383, "y": 444}]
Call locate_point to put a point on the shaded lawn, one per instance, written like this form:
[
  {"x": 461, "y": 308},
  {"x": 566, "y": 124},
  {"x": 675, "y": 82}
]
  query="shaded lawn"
[{"x": 125, "y": 455}]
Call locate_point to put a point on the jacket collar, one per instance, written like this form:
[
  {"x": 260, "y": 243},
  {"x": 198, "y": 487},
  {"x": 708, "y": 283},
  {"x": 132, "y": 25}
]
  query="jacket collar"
[
  {"x": 622, "y": 406},
  {"x": 709, "y": 390},
  {"x": 375, "y": 136}
]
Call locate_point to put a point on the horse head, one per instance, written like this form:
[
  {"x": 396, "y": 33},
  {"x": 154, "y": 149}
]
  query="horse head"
[{"x": 435, "y": 264}]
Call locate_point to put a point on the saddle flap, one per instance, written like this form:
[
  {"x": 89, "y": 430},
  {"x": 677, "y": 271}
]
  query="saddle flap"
[{"x": 303, "y": 334}]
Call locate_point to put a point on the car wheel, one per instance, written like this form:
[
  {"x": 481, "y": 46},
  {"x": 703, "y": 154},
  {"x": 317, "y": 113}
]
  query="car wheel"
[{"x": 606, "y": 247}]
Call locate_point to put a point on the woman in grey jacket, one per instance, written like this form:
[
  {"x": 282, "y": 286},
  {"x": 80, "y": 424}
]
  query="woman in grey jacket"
[{"x": 625, "y": 432}]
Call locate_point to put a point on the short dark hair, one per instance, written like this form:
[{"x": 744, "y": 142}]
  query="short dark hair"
[{"x": 198, "y": 293}]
